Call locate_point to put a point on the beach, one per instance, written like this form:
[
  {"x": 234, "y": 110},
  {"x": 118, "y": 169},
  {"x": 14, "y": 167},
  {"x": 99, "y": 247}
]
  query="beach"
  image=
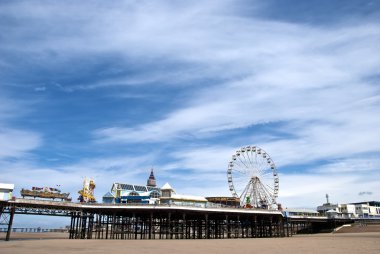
[{"x": 57, "y": 243}]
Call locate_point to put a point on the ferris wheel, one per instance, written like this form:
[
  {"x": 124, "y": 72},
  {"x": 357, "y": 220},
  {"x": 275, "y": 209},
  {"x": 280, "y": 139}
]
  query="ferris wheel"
[{"x": 252, "y": 177}]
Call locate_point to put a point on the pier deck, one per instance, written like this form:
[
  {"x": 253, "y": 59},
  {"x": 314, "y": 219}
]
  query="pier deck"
[{"x": 126, "y": 221}]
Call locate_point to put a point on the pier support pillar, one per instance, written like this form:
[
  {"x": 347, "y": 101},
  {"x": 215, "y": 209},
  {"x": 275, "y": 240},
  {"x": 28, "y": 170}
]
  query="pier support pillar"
[
  {"x": 10, "y": 223},
  {"x": 207, "y": 227}
]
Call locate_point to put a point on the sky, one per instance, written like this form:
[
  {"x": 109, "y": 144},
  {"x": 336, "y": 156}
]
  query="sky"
[{"x": 109, "y": 90}]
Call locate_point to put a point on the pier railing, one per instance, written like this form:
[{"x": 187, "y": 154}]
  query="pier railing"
[{"x": 34, "y": 230}]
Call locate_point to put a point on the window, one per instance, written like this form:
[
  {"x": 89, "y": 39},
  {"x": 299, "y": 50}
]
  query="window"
[
  {"x": 133, "y": 193},
  {"x": 126, "y": 186},
  {"x": 154, "y": 194},
  {"x": 166, "y": 193},
  {"x": 152, "y": 188},
  {"x": 140, "y": 188}
]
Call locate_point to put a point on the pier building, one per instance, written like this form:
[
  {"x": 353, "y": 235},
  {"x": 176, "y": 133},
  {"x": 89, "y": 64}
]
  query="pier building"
[
  {"x": 169, "y": 196},
  {"x": 6, "y": 191},
  {"x": 122, "y": 193},
  {"x": 225, "y": 201},
  {"x": 364, "y": 209},
  {"x": 125, "y": 193},
  {"x": 291, "y": 212}
]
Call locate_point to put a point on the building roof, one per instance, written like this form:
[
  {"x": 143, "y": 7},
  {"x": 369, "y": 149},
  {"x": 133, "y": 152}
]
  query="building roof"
[
  {"x": 7, "y": 186},
  {"x": 181, "y": 197},
  {"x": 151, "y": 180},
  {"x": 300, "y": 210},
  {"x": 167, "y": 187},
  {"x": 223, "y": 199},
  {"x": 326, "y": 207},
  {"x": 188, "y": 198},
  {"x": 132, "y": 187},
  {"x": 371, "y": 203},
  {"x": 108, "y": 195}
]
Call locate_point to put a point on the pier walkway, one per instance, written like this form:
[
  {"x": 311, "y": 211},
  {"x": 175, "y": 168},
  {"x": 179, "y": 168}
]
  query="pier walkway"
[{"x": 127, "y": 221}]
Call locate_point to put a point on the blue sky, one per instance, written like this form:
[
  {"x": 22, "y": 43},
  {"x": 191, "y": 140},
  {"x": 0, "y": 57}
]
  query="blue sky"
[{"x": 109, "y": 90}]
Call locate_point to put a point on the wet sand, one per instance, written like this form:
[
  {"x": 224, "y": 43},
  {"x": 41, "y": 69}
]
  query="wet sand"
[{"x": 347, "y": 243}]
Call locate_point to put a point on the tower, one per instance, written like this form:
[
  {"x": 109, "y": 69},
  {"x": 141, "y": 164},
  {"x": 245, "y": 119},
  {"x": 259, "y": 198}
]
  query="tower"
[{"x": 151, "y": 180}]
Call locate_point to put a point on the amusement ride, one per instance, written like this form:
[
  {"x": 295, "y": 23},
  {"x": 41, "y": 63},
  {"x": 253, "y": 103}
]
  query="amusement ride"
[{"x": 252, "y": 177}]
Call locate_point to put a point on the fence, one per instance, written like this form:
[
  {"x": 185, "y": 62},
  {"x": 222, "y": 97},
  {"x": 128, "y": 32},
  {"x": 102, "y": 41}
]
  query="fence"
[{"x": 35, "y": 230}]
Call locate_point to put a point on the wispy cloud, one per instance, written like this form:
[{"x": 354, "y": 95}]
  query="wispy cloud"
[
  {"x": 204, "y": 40},
  {"x": 15, "y": 143},
  {"x": 40, "y": 89}
]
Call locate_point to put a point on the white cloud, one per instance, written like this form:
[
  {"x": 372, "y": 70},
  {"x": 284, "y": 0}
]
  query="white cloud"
[
  {"x": 363, "y": 165},
  {"x": 206, "y": 159},
  {"x": 210, "y": 38},
  {"x": 302, "y": 78},
  {"x": 8, "y": 107},
  {"x": 40, "y": 89},
  {"x": 105, "y": 171},
  {"x": 15, "y": 143},
  {"x": 309, "y": 190}
]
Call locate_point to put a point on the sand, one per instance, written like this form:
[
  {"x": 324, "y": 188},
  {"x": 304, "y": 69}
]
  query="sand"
[{"x": 347, "y": 243}]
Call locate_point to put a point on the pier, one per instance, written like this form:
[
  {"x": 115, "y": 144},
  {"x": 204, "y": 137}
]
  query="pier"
[
  {"x": 121, "y": 221},
  {"x": 125, "y": 221}
]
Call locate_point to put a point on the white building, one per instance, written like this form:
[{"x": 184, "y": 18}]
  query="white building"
[
  {"x": 348, "y": 210},
  {"x": 328, "y": 209},
  {"x": 169, "y": 196},
  {"x": 369, "y": 209},
  {"x": 299, "y": 212},
  {"x": 6, "y": 191},
  {"x": 323, "y": 209}
]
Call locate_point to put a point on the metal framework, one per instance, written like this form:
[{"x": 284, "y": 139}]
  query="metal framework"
[
  {"x": 252, "y": 177},
  {"x": 6, "y": 219},
  {"x": 101, "y": 221},
  {"x": 178, "y": 224},
  {"x": 310, "y": 225}
]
